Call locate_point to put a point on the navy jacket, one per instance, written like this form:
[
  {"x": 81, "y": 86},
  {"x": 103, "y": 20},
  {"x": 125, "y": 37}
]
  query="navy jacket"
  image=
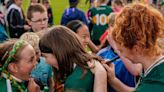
[{"x": 73, "y": 14}]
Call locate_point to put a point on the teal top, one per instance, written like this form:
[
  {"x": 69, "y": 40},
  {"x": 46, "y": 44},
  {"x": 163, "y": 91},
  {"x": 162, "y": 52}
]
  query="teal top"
[
  {"x": 79, "y": 81},
  {"x": 42, "y": 72},
  {"x": 3, "y": 86},
  {"x": 153, "y": 81}
]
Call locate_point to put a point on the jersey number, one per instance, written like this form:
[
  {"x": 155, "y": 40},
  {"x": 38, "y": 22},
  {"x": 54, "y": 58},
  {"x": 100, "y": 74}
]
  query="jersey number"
[{"x": 100, "y": 19}]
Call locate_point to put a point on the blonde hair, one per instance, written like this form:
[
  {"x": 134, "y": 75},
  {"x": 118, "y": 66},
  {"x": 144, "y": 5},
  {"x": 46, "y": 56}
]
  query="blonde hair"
[
  {"x": 111, "y": 18},
  {"x": 32, "y": 38}
]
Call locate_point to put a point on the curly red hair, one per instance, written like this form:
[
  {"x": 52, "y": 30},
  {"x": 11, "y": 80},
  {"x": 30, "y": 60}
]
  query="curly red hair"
[{"x": 138, "y": 25}]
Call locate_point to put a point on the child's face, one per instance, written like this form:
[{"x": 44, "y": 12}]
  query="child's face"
[
  {"x": 46, "y": 4},
  {"x": 26, "y": 63},
  {"x": 84, "y": 35},
  {"x": 39, "y": 21},
  {"x": 19, "y": 2},
  {"x": 51, "y": 59}
]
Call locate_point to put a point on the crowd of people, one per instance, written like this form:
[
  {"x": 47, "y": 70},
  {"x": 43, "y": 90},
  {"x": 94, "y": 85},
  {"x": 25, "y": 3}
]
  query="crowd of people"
[{"x": 116, "y": 46}]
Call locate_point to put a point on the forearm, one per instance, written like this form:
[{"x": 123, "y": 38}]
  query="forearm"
[
  {"x": 119, "y": 86},
  {"x": 93, "y": 47},
  {"x": 100, "y": 82}
]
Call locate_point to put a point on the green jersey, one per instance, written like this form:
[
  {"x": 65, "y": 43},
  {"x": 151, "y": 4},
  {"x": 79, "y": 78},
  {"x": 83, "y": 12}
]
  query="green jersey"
[
  {"x": 99, "y": 16},
  {"x": 79, "y": 82},
  {"x": 154, "y": 80}
]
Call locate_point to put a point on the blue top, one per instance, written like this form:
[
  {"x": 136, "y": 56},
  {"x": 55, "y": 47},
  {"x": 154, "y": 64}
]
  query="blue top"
[
  {"x": 73, "y": 14},
  {"x": 120, "y": 70},
  {"x": 42, "y": 72}
]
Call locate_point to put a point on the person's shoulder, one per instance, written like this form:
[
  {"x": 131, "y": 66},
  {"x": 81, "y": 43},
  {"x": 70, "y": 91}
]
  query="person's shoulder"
[
  {"x": 65, "y": 10},
  {"x": 93, "y": 9},
  {"x": 150, "y": 87},
  {"x": 154, "y": 81},
  {"x": 13, "y": 10},
  {"x": 157, "y": 71},
  {"x": 78, "y": 10},
  {"x": 108, "y": 8}
]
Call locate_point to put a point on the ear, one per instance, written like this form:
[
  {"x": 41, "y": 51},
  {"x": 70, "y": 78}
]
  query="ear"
[
  {"x": 29, "y": 22},
  {"x": 12, "y": 67}
]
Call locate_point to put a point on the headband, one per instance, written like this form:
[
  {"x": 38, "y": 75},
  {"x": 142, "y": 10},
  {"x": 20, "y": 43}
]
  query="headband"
[{"x": 12, "y": 53}]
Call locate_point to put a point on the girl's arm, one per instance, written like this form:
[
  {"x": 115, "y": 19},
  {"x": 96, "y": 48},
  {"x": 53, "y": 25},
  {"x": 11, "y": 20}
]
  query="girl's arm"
[
  {"x": 100, "y": 76},
  {"x": 114, "y": 82}
]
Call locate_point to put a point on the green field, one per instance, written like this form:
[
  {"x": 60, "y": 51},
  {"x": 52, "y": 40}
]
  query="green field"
[{"x": 58, "y": 7}]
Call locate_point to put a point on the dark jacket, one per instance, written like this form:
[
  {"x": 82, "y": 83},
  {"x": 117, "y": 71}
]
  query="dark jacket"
[
  {"x": 16, "y": 22},
  {"x": 73, "y": 14}
]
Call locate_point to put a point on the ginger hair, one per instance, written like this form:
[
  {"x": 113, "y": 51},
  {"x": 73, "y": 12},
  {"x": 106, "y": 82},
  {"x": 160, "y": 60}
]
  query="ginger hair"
[{"x": 138, "y": 25}]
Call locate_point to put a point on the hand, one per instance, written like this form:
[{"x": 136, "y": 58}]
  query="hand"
[
  {"x": 96, "y": 67},
  {"x": 110, "y": 71},
  {"x": 27, "y": 27},
  {"x": 32, "y": 86}
]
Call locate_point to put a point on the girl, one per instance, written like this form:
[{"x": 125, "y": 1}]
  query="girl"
[
  {"x": 17, "y": 61},
  {"x": 135, "y": 35},
  {"x": 42, "y": 73},
  {"x": 63, "y": 50},
  {"x": 82, "y": 31}
]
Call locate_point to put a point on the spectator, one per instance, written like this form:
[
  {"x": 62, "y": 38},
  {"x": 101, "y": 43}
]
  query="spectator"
[
  {"x": 99, "y": 20},
  {"x": 16, "y": 20},
  {"x": 73, "y": 13},
  {"x": 46, "y": 3},
  {"x": 82, "y": 31},
  {"x": 37, "y": 17}
]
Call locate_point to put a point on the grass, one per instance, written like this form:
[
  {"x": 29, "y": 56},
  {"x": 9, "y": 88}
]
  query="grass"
[{"x": 58, "y": 7}]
